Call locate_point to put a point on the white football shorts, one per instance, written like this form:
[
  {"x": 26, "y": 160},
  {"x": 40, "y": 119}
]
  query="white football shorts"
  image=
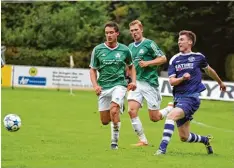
[
  {"x": 145, "y": 91},
  {"x": 115, "y": 94}
]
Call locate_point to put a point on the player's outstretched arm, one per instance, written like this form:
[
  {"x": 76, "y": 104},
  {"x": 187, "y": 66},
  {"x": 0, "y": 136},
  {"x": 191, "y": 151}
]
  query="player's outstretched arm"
[{"x": 212, "y": 73}]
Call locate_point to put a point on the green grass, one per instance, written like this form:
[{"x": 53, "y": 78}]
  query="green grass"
[{"x": 63, "y": 131}]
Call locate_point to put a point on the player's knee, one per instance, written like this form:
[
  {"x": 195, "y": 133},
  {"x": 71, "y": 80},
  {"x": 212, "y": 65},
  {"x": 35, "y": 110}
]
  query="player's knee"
[
  {"x": 153, "y": 120},
  {"x": 105, "y": 122},
  {"x": 114, "y": 109},
  {"x": 171, "y": 116},
  {"x": 105, "y": 119},
  {"x": 132, "y": 112}
]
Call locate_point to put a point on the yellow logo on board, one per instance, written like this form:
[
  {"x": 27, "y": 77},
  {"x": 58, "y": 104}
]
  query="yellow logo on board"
[{"x": 33, "y": 71}]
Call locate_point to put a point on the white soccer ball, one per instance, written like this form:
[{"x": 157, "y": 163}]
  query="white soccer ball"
[{"x": 12, "y": 122}]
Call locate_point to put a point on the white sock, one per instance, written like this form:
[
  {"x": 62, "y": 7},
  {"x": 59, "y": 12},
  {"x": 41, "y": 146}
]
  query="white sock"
[
  {"x": 166, "y": 110},
  {"x": 137, "y": 126},
  {"x": 115, "y": 133}
]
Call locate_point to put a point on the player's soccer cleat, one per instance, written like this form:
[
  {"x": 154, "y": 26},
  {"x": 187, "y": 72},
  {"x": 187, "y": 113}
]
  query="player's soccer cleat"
[
  {"x": 160, "y": 152},
  {"x": 114, "y": 146},
  {"x": 208, "y": 146},
  {"x": 140, "y": 143}
]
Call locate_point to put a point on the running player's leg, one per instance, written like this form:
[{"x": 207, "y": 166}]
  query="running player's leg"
[
  {"x": 184, "y": 125},
  {"x": 105, "y": 117},
  {"x": 116, "y": 107},
  {"x": 169, "y": 127},
  {"x": 135, "y": 100},
  {"x": 104, "y": 102},
  {"x": 187, "y": 136},
  {"x": 182, "y": 114}
]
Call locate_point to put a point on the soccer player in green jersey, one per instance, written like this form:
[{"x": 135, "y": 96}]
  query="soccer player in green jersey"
[
  {"x": 147, "y": 56},
  {"x": 110, "y": 60}
]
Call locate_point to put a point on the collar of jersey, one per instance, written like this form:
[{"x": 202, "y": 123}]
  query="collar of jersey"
[
  {"x": 112, "y": 48},
  {"x": 140, "y": 42},
  {"x": 186, "y": 53}
]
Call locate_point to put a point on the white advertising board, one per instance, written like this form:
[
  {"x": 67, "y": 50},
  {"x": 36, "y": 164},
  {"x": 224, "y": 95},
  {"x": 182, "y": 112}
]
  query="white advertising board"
[
  {"x": 51, "y": 77},
  {"x": 47, "y": 77},
  {"x": 212, "y": 91}
]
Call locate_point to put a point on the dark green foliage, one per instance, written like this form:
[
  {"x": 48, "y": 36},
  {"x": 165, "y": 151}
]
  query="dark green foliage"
[
  {"x": 59, "y": 29},
  {"x": 213, "y": 23},
  {"x": 46, "y": 33}
]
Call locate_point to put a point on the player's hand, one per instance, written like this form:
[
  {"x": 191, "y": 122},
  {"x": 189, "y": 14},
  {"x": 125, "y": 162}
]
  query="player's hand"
[
  {"x": 98, "y": 90},
  {"x": 143, "y": 64},
  {"x": 186, "y": 76},
  {"x": 131, "y": 86},
  {"x": 222, "y": 87}
]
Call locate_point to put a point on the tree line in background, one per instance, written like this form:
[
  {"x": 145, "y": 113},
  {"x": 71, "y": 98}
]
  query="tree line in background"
[{"x": 47, "y": 33}]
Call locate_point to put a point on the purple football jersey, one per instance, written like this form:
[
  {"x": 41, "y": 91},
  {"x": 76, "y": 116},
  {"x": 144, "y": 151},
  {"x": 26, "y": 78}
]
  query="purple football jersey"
[{"x": 191, "y": 63}]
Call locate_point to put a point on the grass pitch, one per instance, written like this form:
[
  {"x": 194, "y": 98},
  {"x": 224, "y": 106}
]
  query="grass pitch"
[{"x": 64, "y": 131}]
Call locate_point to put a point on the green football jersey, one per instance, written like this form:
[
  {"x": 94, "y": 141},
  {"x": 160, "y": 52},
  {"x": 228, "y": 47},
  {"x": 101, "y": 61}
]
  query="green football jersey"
[
  {"x": 146, "y": 50},
  {"x": 111, "y": 64}
]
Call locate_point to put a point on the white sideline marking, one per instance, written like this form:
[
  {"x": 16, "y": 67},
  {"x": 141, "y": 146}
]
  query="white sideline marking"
[{"x": 208, "y": 126}]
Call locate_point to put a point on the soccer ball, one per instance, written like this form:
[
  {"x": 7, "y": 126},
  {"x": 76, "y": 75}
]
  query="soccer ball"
[{"x": 12, "y": 122}]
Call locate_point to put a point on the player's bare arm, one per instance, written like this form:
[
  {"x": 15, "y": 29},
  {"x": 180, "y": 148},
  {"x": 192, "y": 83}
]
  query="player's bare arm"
[
  {"x": 176, "y": 81},
  {"x": 212, "y": 73},
  {"x": 132, "y": 85},
  {"x": 93, "y": 77},
  {"x": 157, "y": 61}
]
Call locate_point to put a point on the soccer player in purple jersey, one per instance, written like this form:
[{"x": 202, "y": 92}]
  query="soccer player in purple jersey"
[{"x": 185, "y": 76}]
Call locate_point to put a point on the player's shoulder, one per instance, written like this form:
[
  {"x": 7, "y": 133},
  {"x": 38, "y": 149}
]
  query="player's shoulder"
[
  {"x": 151, "y": 44},
  {"x": 174, "y": 57},
  {"x": 148, "y": 41},
  {"x": 192, "y": 54},
  {"x": 131, "y": 45},
  {"x": 198, "y": 54},
  {"x": 99, "y": 46}
]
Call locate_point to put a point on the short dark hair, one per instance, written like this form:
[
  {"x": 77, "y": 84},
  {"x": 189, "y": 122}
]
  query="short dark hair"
[
  {"x": 189, "y": 34},
  {"x": 112, "y": 24}
]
